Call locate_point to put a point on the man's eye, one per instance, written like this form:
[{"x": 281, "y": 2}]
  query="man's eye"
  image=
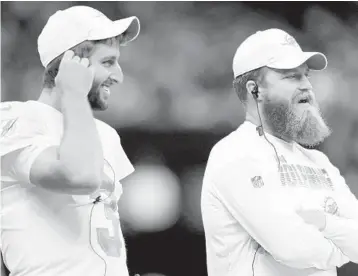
[
  {"x": 295, "y": 76},
  {"x": 108, "y": 62}
]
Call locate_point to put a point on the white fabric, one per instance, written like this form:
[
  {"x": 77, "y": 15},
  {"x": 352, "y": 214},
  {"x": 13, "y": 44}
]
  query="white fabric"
[
  {"x": 45, "y": 233},
  {"x": 276, "y": 49},
  {"x": 67, "y": 28},
  {"x": 246, "y": 202}
]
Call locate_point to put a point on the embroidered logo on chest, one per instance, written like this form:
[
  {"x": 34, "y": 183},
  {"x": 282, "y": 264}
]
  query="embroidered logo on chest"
[
  {"x": 257, "y": 182},
  {"x": 7, "y": 127},
  {"x": 330, "y": 206}
]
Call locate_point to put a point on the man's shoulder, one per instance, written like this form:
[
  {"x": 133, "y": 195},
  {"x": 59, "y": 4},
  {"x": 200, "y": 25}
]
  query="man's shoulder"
[
  {"x": 239, "y": 144},
  {"x": 317, "y": 153},
  {"x": 104, "y": 126},
  {"x": 11, "y": 109},
  {"x": 106, "y": 129},
  {"x": 29, "y": 111},
  {"x": 15, "y": 116},
  {"x": 317, "y": 156},
  {"x": 238, "y": 151},
  {"x": 239, "y": 155},
  {"x": 20, "y": 125}
]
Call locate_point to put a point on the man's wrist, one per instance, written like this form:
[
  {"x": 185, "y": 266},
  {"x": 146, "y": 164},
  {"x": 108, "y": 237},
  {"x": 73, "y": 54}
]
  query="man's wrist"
[{"x": 71, "y": 92}]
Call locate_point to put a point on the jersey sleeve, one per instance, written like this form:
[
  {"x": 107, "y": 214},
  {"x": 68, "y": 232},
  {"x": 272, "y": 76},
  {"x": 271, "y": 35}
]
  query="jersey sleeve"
[
  {"x": 123, "y": 165},
  {"x": 22, "y": 140},
  {"x": 252, "y": 195}
]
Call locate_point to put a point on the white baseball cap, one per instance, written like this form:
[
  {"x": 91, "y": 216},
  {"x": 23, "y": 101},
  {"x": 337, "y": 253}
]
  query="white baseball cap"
[
  {"x": 274, "y": 48},
  {"x": 67, "y": 28}
]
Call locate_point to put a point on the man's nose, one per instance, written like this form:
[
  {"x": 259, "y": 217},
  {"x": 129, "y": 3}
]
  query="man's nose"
[
  {"x": 306, "y": 84},
  {"x": 117, "y": 75}
]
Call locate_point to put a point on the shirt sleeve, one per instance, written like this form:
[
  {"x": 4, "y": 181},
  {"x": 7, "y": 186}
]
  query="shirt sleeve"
[
  {"x": 21, "y": 143},
  {"x": 346, "y": 201},
  {"x": 342, "y": 229},
  {"x": 123, "y": 165},
  {"x": 253, "y": 196},
  {"x": 344, "y": 234}
]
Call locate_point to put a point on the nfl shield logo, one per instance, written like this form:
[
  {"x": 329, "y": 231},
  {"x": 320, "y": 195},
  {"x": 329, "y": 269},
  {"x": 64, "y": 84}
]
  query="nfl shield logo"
[{"x": 257, "y": 182}]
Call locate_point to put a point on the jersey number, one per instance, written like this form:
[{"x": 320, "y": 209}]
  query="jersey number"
[{"x": 108, "y": 238}]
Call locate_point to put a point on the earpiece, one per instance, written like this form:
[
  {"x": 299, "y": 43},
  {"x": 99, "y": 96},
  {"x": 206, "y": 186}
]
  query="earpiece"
[
  {"x": 260, "y": 130},
  {"x": 255, "y": 92},
  {"x": 98, "y": 199}
]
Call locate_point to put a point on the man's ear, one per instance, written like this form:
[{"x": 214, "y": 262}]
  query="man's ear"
[{"x": 252, "y": 89}]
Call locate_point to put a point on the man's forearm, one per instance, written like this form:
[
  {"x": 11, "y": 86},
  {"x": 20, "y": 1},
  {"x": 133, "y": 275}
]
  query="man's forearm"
[
  {"x": 344, "y": 234},
  {"x": 81, "y": 148}
]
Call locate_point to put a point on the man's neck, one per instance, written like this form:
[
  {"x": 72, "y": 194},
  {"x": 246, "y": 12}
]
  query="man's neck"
[
  {"x": 264, "y": 127},
  {"x": 50, "y": 97},
  {"x": 256, "y": 121}
]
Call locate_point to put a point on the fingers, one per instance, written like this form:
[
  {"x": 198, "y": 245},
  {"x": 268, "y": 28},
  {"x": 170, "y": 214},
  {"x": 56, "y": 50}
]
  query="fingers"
[
  {"x": 85, "y": 62},
  {"x": 68, "y": 55},
  {"x": 76, "y": 58}
]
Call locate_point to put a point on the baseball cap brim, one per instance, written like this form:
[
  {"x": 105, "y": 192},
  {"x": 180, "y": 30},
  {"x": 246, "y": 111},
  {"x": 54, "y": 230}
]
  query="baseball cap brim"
[
  {"x": 129, "y": 25},
  {"x": 314, "y": 60}
]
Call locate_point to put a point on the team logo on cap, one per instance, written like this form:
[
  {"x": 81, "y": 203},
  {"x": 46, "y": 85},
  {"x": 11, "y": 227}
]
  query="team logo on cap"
[
  {"x": 257, "y": 182},
  {"x": 289, "y": 40}
]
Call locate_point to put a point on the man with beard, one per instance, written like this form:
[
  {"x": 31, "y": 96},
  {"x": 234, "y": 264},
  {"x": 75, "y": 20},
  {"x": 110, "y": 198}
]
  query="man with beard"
[
  {"x": 271, "y": 204},
  {"x": 61, "y": 167}
]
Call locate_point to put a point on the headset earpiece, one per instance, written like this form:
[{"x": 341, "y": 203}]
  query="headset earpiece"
[{"x": 255, "y": 92}]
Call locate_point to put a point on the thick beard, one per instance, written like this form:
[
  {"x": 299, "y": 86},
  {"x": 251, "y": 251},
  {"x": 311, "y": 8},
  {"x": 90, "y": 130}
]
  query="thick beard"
[
  {"x": 94, "y": 98},
  {"x": 308, "y": 130}
]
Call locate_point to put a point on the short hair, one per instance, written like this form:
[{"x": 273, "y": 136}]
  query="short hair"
[
  {"x": 240, "y": 81},
  {"x": 83, "y": 50}
]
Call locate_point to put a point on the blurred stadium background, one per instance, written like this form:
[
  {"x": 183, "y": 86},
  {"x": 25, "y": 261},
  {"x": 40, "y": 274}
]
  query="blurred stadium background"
[{"x": 176, "y": 102}]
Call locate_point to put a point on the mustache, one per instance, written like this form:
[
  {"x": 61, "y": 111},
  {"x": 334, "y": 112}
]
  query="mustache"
[
  {"x": 308, "y": 96},
  {"x": 109, "y": 82},
  {"x": 96, "y": 85}
]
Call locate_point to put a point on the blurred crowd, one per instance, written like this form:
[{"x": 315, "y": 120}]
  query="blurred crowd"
[{"x": 178, "y": 79}]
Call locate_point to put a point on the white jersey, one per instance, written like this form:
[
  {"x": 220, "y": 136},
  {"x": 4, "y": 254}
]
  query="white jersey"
[
  {"x": 50, "y": 234},
  {"x": 249, "y": 207}
]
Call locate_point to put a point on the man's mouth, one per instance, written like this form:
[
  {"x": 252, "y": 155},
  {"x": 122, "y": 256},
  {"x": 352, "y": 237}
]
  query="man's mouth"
[
  {"x": 304, "y": 99},
  {"x": 106, "y": 90}
]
